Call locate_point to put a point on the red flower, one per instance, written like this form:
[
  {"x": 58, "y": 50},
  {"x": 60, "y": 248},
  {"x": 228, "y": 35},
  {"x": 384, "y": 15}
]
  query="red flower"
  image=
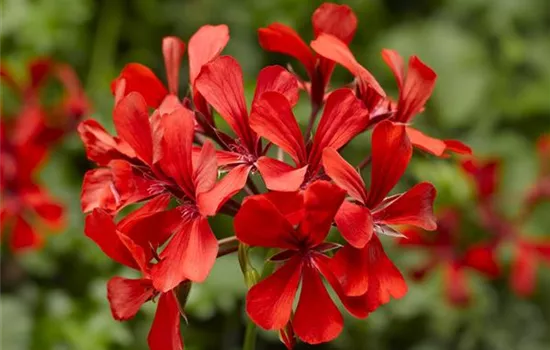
[
  {"x": 297, "y": 223},
  {"x": 528, "y": 254},
  {"x": 191, "y": 252},
  {"x": 274, "y": 120},
  {"x": 129, "y": 242},
  {"x": 337, "y": 20},
  {"x": 391, "y": 153},
  {"x": 444, "y": 250},
  {"x": 362, "y": 266},
  {"x": 130, "y": 173},
  {"x": 541, "y": 189},
  {"x": 205, "y": 45},
  {"x": 25, "y": 141},
  {"x": 415, "y": 88},
  {"x": 221, "y": 84},
  {"x": 485, "y": 176}
]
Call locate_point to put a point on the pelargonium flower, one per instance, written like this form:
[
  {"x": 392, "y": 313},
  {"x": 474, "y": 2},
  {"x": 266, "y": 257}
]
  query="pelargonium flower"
[
  {"x": 541, "y": 189},
  {"x": 26, "y": 139},
  {"x": 221, "y": 84},
  {"x": 298, "y": 224},
  {"x": 528, "y": 254},
  {"x": 444, "y": 250},
  {"x": 415, "y": 88},
  {"x": 273, "y": 119},
  {"x": 329, "y": 18},
  {"x": 129, "y": 242},
  {"x": 205, "y": 45}
]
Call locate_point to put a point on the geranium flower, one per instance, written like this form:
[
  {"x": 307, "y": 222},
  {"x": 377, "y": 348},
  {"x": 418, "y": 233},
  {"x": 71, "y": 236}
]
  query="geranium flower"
[
  {"x": 343, "y": 118},
  {"x": 362, "y": 266},
  {"x": 297, "y": 223},
  {"x": 391, "y": 153},
  {"x": 26, "y": 138},
  {"x": 129, "y": 242},
  {"x": 329, "y": 18},
  {"x": 221, "y": 84},
  {"x": 205, "y": 45},
  {"x": 528, "y": 254},
  {"x": 444, "y": 249},
  {"x": 415, "y": 88}
]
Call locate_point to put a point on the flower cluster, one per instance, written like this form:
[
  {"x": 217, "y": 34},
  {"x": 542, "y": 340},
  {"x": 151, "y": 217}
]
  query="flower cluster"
[
  {"x": 456, "y": 253},
  {"x": 169, "y": 151},
  {"x": 28, "y": 133}
]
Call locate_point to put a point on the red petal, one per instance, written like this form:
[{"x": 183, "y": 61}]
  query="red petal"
[
  {"x": 342, "y": 108},
  {"x": 279, "y": 176},
  {"x": 336, "y": 50},
  {"x": 280, "y": 38},
  {"x": 482, "y": 258},
  {"x": 179, "y": 129},
  {"x": 457, "y": 147},
  {"x": 153, "y": 230},
  {"x": 351, "y": 267},
  {"x": 131, "y": 120},
  {"x": 221, "y": 84},
  {"x": 384, "y": 279},
  {"x": 205, "y": 170},
  {"x": 172, "y": 50},
  {"x": 317, "y": 319},
  {"x": 273, "y": 119},
  {"x": 414, "y": 237},
  {"x": 189, "y": 255},
  {"x": 426, "y": 143},
  {"x": 457, "y": 289},
  {"x": 39, "y": 70},
  {"x": 337, "y": 20},
  {"x": 269, "y": 303},
  {"x": 396, "y": 64},
  {"x": 101, "y": 229},
  {"x": 98, "y": 191},
  {"x": 153, "y": 206},
  {"x": 100, "y": 146},
  {"x": 354, "y": 223},
  {"x": 344, "y": 175},
  {"x": 485, "y": 175},
  {"x": 417, "y": 89},
  {"x": 204, "y": 46},
  {"x": 127, "y": 295},
  {"x": 23, "y": 236},
  {"x": 228, "y": 158},
  {"x": 277, "y": 79},
  {"x": 260, "y": 223},
  {"x": 51, "y": 212},
  {"x": 211, "y": 201},
  {"x": 391, "y": 153},
  {"x": 414, "y": 207},
  {"x": 523, "y": 277},
  {"x": 321, "y": 202},
  {"x": 165, "y": 332},
  {"x": 141, "y": 79},
  {"x": 290, "y": 204}
]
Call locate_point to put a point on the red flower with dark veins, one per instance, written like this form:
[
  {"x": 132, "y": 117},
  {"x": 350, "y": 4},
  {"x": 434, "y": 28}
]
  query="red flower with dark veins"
[
  {"x": 221, "y": 84},
  {"x": 191, "y": 252},
  {"x": 343, "y": 118},
  {"x": 130, "y": 242},
  {"x": 333, "y": 19},
  {"x": 415, "y": 88},
  {"x": 362, "y": 266},
  {"x": 205, "y": 45},
  {"x": 444, "y": 250},
  {"x": 298, "y": 224},
  {"x": 129, "y": 171}
]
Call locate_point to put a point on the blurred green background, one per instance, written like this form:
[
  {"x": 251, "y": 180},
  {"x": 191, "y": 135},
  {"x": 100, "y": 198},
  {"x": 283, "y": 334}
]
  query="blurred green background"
[{"x": 493, "y": 92}]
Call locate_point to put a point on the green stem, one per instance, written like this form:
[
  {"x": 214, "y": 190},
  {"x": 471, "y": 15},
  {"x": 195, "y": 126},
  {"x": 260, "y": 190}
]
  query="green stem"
[{"x": 250, "y": 336}]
